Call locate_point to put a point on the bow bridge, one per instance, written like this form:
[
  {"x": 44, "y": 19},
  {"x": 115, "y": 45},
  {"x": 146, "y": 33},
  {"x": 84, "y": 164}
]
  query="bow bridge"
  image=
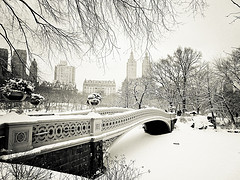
[{"x": 73, "y": 142}]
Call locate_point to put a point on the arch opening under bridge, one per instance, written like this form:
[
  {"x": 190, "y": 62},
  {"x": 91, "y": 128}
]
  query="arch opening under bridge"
[{"x": 156, "y": 127}]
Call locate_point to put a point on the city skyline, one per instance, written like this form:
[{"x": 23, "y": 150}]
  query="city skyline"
[
  {"x": 15, "y": 65},
  {"x": 214, "y": 35}
]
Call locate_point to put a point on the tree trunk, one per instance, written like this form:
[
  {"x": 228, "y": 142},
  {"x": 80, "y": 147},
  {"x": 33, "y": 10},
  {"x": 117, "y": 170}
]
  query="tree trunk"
[{"x": 184, "y": 94}]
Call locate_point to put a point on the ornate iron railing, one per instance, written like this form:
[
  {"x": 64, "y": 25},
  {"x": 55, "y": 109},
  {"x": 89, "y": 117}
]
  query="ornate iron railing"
[{"x": 37, "y": 131}]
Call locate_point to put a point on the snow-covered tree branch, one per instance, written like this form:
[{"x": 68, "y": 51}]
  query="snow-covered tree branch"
[{"x": 83, "y": 27}]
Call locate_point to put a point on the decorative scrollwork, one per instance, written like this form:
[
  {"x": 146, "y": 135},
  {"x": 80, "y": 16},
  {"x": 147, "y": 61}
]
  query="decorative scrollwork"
[
  {"x": 46, "y": 133},
  {"x": 51, "y": 131},
  {"x": 20, "y": 137}
]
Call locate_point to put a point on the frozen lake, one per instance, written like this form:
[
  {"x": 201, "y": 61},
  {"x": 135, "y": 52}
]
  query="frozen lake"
[{"x": 184, "y": 154}]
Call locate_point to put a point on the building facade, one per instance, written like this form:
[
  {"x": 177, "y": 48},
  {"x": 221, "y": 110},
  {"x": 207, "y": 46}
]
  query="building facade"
[
  {"x": 98, "y": 86},
  {"x": 146, "y": 66},
  {"x": 131, "y": 68},
  {"x": 3, "y": 63},
  {"x": 33, "y": 73},
  {"x": 64, "y": 73},
  {"x": 19, "y": 63}
]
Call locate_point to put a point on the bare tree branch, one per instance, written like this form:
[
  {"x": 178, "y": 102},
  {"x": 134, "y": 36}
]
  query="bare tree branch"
[
  {"x": 235, "y": 3},
  {"x": 89, "y": 27}
]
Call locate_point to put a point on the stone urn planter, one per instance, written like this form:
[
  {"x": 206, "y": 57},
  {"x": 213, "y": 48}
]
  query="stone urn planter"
[
  {"x": 14, "y": 95},
  {"x": 36, "y": 99},
  {"x": 15, "y": 86},
  {"x": 93, "y": 100},
  {"x": 16, "y": 89}
]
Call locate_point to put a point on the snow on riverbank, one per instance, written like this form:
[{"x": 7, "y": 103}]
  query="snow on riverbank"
[{"x": 185, "y": 154}]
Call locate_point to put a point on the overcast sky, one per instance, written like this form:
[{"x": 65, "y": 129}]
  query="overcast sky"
[{"x": 214, "y": 35}]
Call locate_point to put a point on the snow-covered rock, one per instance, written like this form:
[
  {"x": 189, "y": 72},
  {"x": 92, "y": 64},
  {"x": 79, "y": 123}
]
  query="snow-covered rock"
[{"x": 201, "y": 122}]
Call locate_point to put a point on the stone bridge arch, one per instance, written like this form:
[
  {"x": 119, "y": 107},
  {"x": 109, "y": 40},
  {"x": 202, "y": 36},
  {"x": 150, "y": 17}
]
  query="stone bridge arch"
[
  {"x": 50, "y": 140},
  {"x": 155, "y": 125}
]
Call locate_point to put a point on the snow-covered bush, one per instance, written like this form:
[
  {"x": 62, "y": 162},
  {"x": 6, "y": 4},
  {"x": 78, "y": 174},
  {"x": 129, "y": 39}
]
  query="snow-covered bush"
[
  {"x": 184, "y": 119},
  {"x": 21, "y": 172},
  {"x": 118, "y": 168},
  {"x": 36, "y": 99},
  {"x": 201, "y": 122},
  {"x": 17, "y": 84}
]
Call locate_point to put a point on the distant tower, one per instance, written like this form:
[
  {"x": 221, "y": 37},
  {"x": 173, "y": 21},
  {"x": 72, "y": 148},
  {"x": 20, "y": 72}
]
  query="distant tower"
[
  {"x": 18, "y": 63},
  {"x": 3, "y": 63},
  {"x": 131, "y": 68},
  {"x": 64, "y": 73},
  {"x": 33, "y": 71},
  {"x": 145, "y": 66}
]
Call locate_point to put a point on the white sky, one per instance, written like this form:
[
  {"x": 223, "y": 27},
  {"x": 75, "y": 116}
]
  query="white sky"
[{"x": 213, "y": 35}]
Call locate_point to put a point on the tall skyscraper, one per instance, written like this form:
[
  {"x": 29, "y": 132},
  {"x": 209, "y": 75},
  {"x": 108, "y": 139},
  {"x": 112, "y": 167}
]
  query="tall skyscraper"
[
  {"x": 33, "y": 71},
  {"x": 3, "y": 63},
  {"x": 18, "y": 63},
  {"x": 64, "y": 73},
  {"x": 146, "y": 66},
  {"x": 131, "y": 68}
]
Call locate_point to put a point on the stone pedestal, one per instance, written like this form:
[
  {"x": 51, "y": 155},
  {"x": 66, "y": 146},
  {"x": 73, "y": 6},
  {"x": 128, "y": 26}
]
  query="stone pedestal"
[{"x": 17, "y": 133}]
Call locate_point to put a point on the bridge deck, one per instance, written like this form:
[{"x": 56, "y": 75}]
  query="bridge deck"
[{"x": 37, "y": 135}]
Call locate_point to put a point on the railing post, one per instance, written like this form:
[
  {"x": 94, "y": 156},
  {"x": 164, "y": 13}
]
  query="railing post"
[
  {"x": 18, "y": 137},
  {"x": 96, "y": 126},
  {"x": 2, "y": 138}
]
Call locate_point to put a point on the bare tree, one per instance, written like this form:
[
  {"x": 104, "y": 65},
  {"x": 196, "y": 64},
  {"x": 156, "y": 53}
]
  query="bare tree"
[
  {"x": 229, "y": 68},
  {"x": 186, "y": 60},
  {"x": 87, "y": 26},
  {"x": 126, "y": 96},
  {"x": 141, "y": 88},
  {"x": 136, "y": 92},
  {"x": 228, "y": 105},
  {"x": 197, "y": 91},
  {"x": 235, "y": 15},
  {"x": 165, "y": 75},
  {"x": 177, "y": 70}
]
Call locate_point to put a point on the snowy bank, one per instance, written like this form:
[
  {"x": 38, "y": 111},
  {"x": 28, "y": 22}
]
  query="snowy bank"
[{"x": 185, "y": 154}]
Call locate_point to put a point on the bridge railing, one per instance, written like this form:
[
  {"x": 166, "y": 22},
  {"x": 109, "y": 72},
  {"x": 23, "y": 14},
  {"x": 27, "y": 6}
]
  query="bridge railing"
[
  {"x": 114, "y": 122},
  {"x": 101, "y": 111},
  {"x": 32, "y": 132},
  {"x": 59, "y": 129}
]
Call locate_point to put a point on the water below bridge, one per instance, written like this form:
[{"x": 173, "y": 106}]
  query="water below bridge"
[{"x": 184, "y": 154}]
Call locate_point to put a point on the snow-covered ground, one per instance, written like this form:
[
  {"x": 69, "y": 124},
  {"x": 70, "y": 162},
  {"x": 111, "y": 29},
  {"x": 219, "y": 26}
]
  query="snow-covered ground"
[{"x": 184, "y": 154}]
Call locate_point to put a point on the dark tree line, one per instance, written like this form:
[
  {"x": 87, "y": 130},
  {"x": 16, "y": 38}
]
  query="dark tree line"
[{"x": 59, "y": 96}]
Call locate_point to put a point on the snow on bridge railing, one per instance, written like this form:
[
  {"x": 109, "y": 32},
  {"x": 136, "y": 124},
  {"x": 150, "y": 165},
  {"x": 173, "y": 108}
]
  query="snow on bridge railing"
[
  {"x": 26, "y": 133},
  {"x": 115, "y": 122},
  {"x": 100, "y": 110}
]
